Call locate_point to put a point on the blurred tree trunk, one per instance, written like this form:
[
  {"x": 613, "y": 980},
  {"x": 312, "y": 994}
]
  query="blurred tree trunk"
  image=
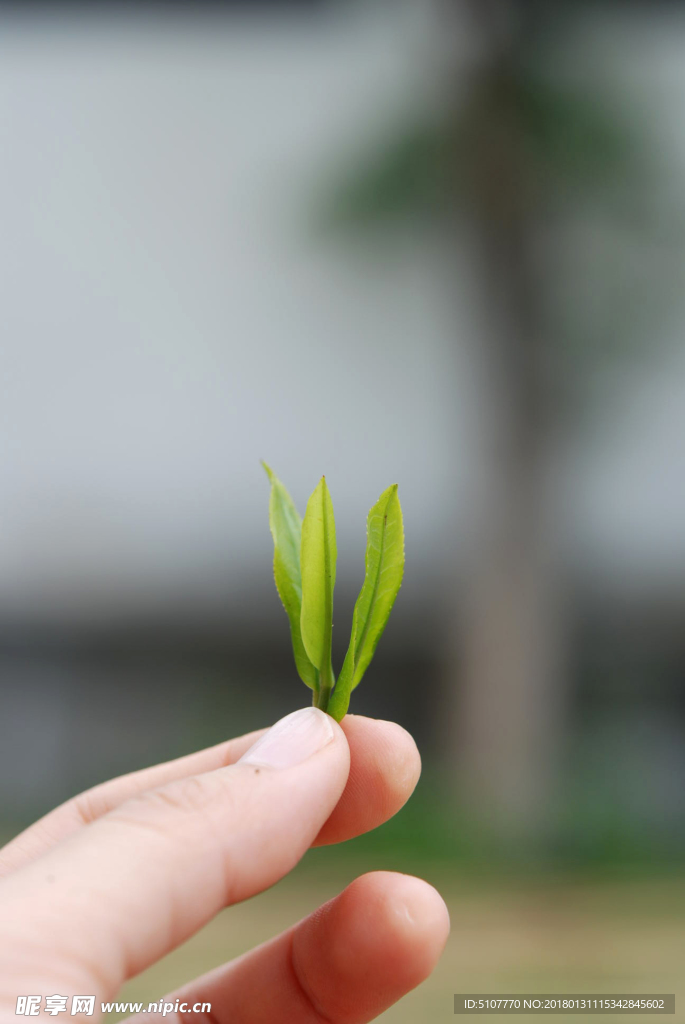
[
  {"x": 507, "y": 721},
  {"x": 519, "y": 146}
]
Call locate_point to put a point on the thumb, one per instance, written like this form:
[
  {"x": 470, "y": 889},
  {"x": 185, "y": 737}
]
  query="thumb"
[{"x": 112, "y": 899}]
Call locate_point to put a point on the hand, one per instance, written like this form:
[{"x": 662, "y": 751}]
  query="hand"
[{"x": 109, "y": 882}]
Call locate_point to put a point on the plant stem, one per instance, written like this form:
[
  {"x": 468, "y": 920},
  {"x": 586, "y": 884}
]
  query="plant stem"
[
  {"x": 321, "y": 697},
  {"x": 326, "y": 683}
]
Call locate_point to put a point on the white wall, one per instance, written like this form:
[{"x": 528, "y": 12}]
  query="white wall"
[{"x": 168, "y": 319}]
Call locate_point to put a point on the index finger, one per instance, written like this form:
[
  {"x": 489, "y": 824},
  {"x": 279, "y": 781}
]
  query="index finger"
[
  {"x": 385, "y": 767},
  {"x": 126, "y": 890}
]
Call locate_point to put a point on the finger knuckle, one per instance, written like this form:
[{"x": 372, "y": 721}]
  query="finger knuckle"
[
  {"x": 185, "y": 796},
  {"x": 89, "y": 806},
  {"x": 160, "y": 809}
]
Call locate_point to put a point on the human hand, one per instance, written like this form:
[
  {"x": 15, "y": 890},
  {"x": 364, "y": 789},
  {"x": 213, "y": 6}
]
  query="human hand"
[{"x": 111, "y": 881}]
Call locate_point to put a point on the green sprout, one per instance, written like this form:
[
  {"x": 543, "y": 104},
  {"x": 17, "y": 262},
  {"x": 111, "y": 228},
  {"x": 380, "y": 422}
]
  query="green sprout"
[{"x": 304, "y": 570}]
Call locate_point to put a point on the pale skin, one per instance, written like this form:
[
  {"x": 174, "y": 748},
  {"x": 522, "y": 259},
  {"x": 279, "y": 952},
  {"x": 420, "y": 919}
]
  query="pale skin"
[{"x": 114, "y": 879}]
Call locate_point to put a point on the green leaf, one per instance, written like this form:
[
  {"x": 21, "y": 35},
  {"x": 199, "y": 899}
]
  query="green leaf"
[
  {"x": 286, "y": 529},
  {"x": 317, "y": 560},
  {"x": 384, "y": 569},
  {"x": 408, "y": 174}
]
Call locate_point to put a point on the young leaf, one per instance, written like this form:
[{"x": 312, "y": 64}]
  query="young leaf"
[
  {"x": 384, "y": 568},
  {"x": 317, "y": 560},
  {"x": 286, "y": 530}
]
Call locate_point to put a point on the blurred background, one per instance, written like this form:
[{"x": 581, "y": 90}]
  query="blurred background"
[{"x": 438, "y": 243}]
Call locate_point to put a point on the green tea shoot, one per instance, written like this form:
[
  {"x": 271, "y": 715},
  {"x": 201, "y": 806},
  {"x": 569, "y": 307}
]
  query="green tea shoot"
[{"x": 305, "y": 557}]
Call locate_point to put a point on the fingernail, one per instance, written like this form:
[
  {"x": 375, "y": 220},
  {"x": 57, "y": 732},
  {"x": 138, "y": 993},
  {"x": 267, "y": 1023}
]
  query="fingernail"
[{"x": 291, "y": 740}]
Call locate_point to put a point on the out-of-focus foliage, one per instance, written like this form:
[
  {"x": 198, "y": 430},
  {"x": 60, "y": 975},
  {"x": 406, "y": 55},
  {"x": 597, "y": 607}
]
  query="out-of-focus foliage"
[
  {"x": 567, "y": 140},
  {"x": 575, "y": 165},
  {"x": 407, "y": 174}
]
